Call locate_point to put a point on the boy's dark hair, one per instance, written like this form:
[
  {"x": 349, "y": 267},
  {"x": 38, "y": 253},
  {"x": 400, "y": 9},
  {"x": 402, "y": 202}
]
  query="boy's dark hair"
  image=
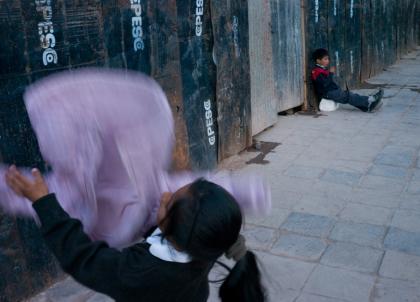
[
  {"x": 205, "y": 223},
  {"x": 319, "y": 54}
]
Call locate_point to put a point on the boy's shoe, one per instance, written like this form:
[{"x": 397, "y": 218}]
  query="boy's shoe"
[
  {"x": 377, "y": 103},
  {"x": 364, "y": 109}
]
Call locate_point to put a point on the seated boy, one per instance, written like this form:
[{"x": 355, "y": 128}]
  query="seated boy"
[{"x": 326, "y": 88}]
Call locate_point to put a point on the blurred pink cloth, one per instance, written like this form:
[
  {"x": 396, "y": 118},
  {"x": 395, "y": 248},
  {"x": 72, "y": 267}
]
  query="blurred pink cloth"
[{"x": 108, "y": 136}]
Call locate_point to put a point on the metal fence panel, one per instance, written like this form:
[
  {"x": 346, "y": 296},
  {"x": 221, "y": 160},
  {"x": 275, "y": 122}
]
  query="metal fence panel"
[
  {"x": 287, "y": 40},
  {"x": 233, "y": 90},
  {"x": 263, "y": 89},
  {"x": 198, "y": 75}
]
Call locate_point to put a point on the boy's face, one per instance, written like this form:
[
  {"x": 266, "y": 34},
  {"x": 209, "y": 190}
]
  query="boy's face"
[{"x": 325, "y": 61}]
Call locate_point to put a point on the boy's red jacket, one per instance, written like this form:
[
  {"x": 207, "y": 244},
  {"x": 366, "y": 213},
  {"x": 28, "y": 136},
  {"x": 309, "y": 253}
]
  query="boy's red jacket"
[
  {"x": 319, "y": 70},
  {"x": 323, "y": 81}
]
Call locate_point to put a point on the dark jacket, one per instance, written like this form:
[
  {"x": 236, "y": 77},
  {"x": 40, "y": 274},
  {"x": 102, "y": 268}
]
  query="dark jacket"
[
  {"x": 323, "y": 81},
  {"x": 132, "y": 274}
]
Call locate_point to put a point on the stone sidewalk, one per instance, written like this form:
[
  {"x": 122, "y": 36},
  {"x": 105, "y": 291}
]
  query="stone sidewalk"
[{"x": 345, "y": 223}]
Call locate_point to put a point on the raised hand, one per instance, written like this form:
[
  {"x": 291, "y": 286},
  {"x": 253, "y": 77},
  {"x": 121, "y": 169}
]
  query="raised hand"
[{"x": 31, "y": 189}]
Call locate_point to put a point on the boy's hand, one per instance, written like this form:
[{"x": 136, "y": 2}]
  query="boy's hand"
[
  {"x": 333, "y": 69},
  {"x": 22, "y": 186}
]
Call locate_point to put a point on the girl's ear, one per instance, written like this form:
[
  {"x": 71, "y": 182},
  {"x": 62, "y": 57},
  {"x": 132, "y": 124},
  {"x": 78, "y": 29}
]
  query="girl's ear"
[
  {"x": 165, "y": 199},
  {"x": 163, "y": 208}
]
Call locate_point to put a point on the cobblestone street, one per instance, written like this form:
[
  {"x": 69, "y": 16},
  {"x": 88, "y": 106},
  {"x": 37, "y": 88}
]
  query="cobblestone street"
[{"x": 345, "y": 223}]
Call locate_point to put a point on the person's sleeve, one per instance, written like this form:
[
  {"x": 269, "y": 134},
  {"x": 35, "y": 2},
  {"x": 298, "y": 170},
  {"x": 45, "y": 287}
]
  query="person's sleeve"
[
  {"x": 93, "y": 264},
  {"x": 324, "y": 81}
]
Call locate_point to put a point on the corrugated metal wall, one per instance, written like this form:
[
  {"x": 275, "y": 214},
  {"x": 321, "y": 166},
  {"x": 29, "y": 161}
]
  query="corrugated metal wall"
[
  {"x": 363, "y": 36},
  {"x": 263, "y": 87},
  {"x": 287, "y": 39},
  {"x": 198, "y": 75},
  {"x": 170, "y": 40},
  {"x": 276, "y": 55},
  {"x": 390, "y": 37},
  {"x": 230, "y": 28}
]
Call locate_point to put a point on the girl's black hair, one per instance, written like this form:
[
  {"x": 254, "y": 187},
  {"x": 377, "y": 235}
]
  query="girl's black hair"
[
  {"x": 205, "y": 223},
  {"x": 319, "y": 54}
]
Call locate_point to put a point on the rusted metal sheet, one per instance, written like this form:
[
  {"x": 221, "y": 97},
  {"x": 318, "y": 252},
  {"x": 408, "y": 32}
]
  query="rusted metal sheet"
[
  {"x": 367, "y": 38},
  {"x": 380, "y": 28},
  {"x": 27, "y": 48},
  {"x": 71, "y": 34},
  {"x": 60, "y": 35},
  {"x": 353, "y": 42},
  {"x": 412, "y": 24},
  {"x": 18, "y": 143},
  {"x": 388, "y": 31},
  {"x": 337, "y": 31},
  {"x": 263, "y": 87},
  {"x": 391, "y": 32},
  {"x": 198, "y": 74},
  {"x": 316, "y": 36},
  {"x": 34, "y": 45},
  {"x": 363, "y": 36},
  {"x": 287, "y": 39},
  {"x": 277, "y": 62},
  {"x": 230, "y": 30},
  {"x": 166, "y": 69},
  {"x": 403, "y": 18},
  {"x": 23, "y": 270},
  {"x": 416, "y": 18}
]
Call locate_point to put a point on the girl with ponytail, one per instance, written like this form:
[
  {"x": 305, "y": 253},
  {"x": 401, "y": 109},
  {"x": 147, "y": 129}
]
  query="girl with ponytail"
[
  {"x": 195, "y": 226},
  {"x": 204, "y": 220}
]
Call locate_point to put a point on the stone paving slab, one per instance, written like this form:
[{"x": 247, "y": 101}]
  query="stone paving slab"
[
  {"x": 403, "y": 241},
  {"x": 352, "y": 257},
  {"x": 407, "y": 220},
  {"x": 375, "y": 198},
  {"x": 315, "y": 298},
  {"x": 276, "y": 294},
  {"x": 363, "y": 153},
  {"x": 410, "y": 203},
  {"x": 283, "y": 199},
  {"x": 340, "y": 284},
  {"x": 304, "y": 171},
  {"x": 299, "y": 247},
  {"x": 385, "y": 184},
  {"x": 320, "y": 205},
  {"x": 405, "y": 138},
  {"x": 285, "y": 273},
  {"x": 396, "y": 156},
  {"x": 416, "y": 174},
  {"x": 414, "y": 187},
  {"x": 366, "y": 214},
  {"x": 331, "y": 190},
  {"x": 259, "y": 238},
  {"x": 69, "y": 290},
  {"x": 99, "y": 298},
  {"x": 402, "y": 266},
  {"x": 308, "y": 224},
  {"x": 360, "y": 233},
  {"x": 389, "y": 171},
  {"x": 391, "y": 290},
  {"x": 349, "y": 165},
  {"x": 341, "y": 177},
  {"x": 273, "y": 220}
]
